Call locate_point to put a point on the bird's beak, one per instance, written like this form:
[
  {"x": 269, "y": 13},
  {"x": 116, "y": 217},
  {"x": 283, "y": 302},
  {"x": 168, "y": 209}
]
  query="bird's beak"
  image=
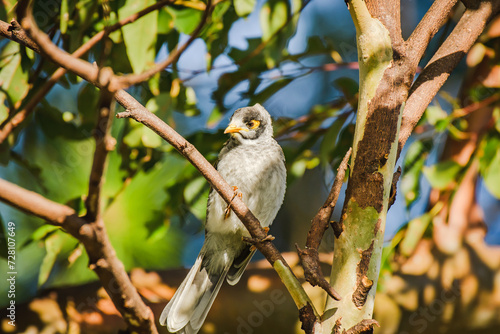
[{"x": 233, "y": 129}]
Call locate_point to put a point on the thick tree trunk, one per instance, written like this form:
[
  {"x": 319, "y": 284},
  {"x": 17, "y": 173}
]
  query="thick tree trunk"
[{"x": 360, "y": 232}]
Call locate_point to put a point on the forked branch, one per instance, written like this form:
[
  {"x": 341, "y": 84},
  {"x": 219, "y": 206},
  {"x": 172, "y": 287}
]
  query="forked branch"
[{"x": 309, "y": 256}]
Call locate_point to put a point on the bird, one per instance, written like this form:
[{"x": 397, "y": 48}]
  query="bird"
[{"x": 254, "y": 164}]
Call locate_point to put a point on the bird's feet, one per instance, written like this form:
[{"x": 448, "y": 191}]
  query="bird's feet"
[
  {"x": 227, "y": 212},
  {"x": 254, "y": 241}
]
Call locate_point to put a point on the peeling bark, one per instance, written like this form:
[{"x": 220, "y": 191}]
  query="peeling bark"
[
  {"x": 306, "y": 316},
  {"x": 363, "y": 327},
  {"x": 363, "y": 283}
]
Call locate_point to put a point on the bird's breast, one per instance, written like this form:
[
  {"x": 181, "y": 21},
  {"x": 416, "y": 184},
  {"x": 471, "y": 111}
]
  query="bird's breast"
[{"x": 260, "y": 176}]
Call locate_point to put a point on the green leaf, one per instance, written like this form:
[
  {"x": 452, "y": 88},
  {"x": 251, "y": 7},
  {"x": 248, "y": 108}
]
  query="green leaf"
[
  {"x": 114, "y": 176},
  {"x": 185, "y": 19},
  {"x": 7, "y": 10},
  {"x": 40, "y": 233},
  {"x": 142, "y": 136},
  {"x": 185, "y": 101},
  {"x": 388, "y": 252},
  {"x": 442, "y": 174},
  {"x": 298, "y": 168},
  {"x": 139, "y": 37},
  {"x": 273, "y": 16},
  {"x": 435, "y": 114},
  {"x": 4, "y": 111},
  {"x": 53, "y": 246},
  {"x": 19, "y": 87},
  {"x": 228, "y": 81},
  {"x": 14, "y": 80},
  {"x": 138, "y": 211},
  {"x": 414, "y": 161},
  {"x": 88, "y": 99},
  {"x": 165, "y": 21},
  {"x": 414, "y": 233},
  {"x": 489, "y": 165},
  {"x": 64, "y": 163},
  {"x": 496, "y": 118},
  {"x": 84, "y": 15},
  {"x": 150, "y": 138},
  {"x": 244, "y": 7},
  {"x": 196, "y": 194},
  {"x": 216, "y": 34},
  {"x": 121, "y": 64},
  {"x": 344, "y": 140},
  {"x": 215, "y": 117},
  {"x": 160, "y": 105},
  {"x": 316, "y": 45},
  {"x": 60, "y": 266},
  {"x": 410, "y": 183}
]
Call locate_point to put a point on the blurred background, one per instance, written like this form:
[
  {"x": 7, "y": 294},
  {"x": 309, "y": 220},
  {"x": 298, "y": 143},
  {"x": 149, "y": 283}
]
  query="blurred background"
[{"x": 441, "y": 269}]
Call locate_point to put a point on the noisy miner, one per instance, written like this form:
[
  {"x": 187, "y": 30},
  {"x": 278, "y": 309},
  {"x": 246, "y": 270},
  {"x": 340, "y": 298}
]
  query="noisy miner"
[{"x": 253, "y": 162}]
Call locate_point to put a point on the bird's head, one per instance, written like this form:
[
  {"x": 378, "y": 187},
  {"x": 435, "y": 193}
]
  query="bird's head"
[{"x": 250, "y": 124}]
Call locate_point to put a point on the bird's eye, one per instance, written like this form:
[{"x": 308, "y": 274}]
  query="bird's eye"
[{"x": 253, "y": 124}]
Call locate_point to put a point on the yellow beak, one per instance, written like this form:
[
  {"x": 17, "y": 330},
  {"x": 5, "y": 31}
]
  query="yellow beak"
[{"x": 233, "y": 129}]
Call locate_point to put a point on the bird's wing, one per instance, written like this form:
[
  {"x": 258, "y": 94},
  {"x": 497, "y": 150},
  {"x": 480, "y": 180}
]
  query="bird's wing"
[{"x": 239, "y": 265}]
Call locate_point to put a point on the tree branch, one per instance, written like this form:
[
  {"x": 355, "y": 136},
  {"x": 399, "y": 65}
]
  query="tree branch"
[
  {"x": 309, "y": 256},
  {"x": 442, "y": 63},
  {"x": 102, "y": 257},
  {"x": 15, "y": 32},
  {"x": 104, "y": 144},
  {"x": 78, "y": 66},
  {"x": 37, "y": 205},
  {"x": 430, "y": 24},
  {"x": 389, "y": 13}
]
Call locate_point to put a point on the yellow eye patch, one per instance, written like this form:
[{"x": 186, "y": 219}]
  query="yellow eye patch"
[{"x": 253, "y": 124}]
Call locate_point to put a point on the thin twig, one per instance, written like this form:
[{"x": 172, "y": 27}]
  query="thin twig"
[
  {"x": 309, "y": 256},
  {"x": 104, "y": 144},
  {"x": 475, "y": 106}
]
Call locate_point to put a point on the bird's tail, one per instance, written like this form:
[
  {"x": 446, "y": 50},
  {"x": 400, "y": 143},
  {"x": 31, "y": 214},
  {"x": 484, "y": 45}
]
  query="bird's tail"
[{"x": 188, "y": 308}]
